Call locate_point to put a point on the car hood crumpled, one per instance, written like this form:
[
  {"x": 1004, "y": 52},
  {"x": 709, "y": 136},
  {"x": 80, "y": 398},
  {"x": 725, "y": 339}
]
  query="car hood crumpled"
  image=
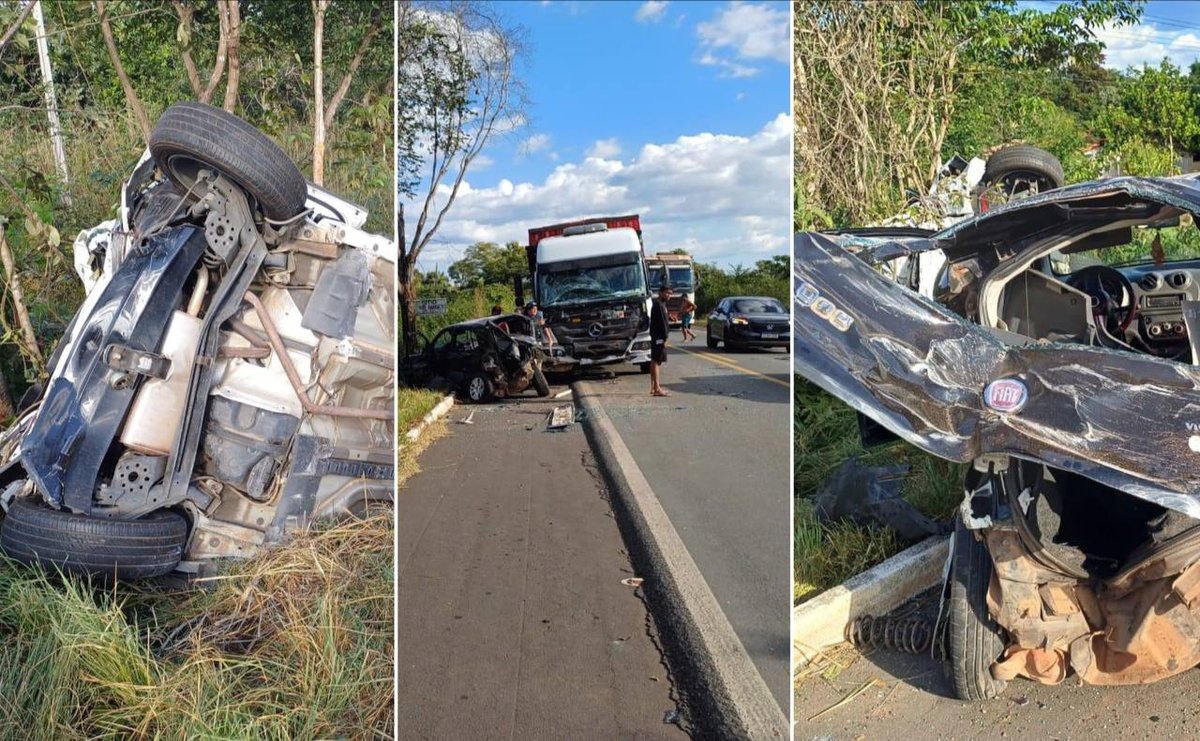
[{"x": 1124, "y": 420}]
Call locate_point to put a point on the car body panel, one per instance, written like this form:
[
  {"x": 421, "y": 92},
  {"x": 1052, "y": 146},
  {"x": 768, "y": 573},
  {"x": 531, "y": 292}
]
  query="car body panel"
[{"x": 1124, "y": 420}]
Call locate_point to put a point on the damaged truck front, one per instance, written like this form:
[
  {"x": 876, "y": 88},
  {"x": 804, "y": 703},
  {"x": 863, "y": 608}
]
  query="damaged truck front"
[
  {"x": 589, "y": 278},
  {"x": 1076, "y": 549}
]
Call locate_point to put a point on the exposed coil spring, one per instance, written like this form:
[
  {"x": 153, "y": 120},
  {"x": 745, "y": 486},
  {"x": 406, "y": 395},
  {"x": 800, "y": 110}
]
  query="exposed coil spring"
[{"x": 911, "y": 634}]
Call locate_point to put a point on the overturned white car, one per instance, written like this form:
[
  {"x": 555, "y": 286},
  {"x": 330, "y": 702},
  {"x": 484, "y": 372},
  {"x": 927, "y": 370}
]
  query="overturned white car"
[{"x": 228, "y": 378}]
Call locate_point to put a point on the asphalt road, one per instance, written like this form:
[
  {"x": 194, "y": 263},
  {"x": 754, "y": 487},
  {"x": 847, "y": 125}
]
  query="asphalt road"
[
  {"x": 513, "y": 620},
  {"x": 911, "y": 699},
  {"x": 716, "y": 453}
]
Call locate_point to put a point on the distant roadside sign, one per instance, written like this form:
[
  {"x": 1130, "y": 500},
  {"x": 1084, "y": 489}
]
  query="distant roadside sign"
[{"x": 431, "y": 306}]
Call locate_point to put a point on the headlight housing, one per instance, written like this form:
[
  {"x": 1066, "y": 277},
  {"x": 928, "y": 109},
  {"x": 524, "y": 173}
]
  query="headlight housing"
[{"x": 740, "y": 320}]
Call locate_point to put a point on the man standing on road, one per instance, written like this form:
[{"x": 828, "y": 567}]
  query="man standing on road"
[
  {"x": 660, "y": 327},
  {"x": 540, "y": 331}
]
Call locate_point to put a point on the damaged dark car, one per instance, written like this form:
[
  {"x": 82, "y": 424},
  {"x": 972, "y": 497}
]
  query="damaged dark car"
[
  {"x": 481, "y": 360},
  {"x": 228, "y": 377},
  {"x": 1059, "y": 357}
]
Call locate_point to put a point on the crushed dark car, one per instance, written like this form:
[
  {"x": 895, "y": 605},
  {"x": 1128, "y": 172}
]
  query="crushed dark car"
[
  {"x": 228, "y": 378},
  {"x": 1059, "y": 358},
  {"x": 482, "y": 359}
]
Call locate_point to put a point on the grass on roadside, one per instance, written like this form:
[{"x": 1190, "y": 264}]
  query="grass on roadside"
[
  {"x": 294, "y": 643},
  {"x": 826, "y": 434},
  {"x": 411, "y": 405}
]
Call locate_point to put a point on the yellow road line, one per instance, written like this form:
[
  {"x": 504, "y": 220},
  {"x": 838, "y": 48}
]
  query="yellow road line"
[{"x": 730, "y": 364}]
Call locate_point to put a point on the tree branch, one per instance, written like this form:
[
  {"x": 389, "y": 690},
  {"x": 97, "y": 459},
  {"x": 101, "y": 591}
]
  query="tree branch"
[
  {"x": 185, "y": 22},
  {"x": 332, "y": 107},
  {"x": 12, "y": 30},
  {"x": 131, "y": 97}
]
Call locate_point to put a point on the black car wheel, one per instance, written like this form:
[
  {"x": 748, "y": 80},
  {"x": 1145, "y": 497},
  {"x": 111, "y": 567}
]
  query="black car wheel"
[
  {"x": 709, "y": 338},
  {"x": 975, "y": 640},
  {"x": 190, "y": 136},
  {"x": 33, "y": 533},
  {"x": 479, "y": 388},
  {"x": 540, "y": 384}
]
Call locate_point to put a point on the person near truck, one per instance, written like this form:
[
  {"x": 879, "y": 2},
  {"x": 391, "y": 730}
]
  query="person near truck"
[
  {"x": 660, "y": 327},
  {"x": 687, "y": 312},
  {"x": 540, "y": 331}
]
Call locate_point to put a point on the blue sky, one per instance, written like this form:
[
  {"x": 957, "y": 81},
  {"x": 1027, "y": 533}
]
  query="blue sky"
[
  {"x": 1169, "y": 28},
  {"x": 679, "y": 110}
]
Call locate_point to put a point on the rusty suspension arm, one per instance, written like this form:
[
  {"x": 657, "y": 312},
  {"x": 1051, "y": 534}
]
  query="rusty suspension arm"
[{"x": 276, "y": 342}]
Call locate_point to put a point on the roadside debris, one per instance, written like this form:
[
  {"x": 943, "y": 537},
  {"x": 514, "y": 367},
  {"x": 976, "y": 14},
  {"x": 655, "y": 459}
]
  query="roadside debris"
[
  {"x": 467, "y": 420},
  {"x": 561, "y": 394},
  {"x": 871, "y": 496},
  {"x": 560, "y": 418},
  {"x": 633, "y": 581},
  {"x": 671, "y": 718},
  {"x": 911, "y": 634},
  {"x": 873, "y": 682}
]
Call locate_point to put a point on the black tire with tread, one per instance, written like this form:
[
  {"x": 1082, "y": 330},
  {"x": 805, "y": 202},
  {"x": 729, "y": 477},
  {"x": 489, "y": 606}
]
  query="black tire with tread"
[
  {"x": 33, "y": 533},
  {"x": 540, "y": 384},
  {"x": 1024, "y": 157},
  {"x": 489, "y": 390},
  {"x": 973, "y": 637},
  {"x": 709, "y": 339},
  {"x": 241, "y": 152}
]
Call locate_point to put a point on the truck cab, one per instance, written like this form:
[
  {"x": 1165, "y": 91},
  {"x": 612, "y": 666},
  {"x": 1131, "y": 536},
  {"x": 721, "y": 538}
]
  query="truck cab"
[
  {"x": 678, "y": 272},
  {"x": 589, "y": 278}
]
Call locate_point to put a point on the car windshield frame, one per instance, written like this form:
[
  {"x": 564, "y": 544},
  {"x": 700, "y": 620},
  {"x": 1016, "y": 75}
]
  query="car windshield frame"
[{"x": 737, "y": 306}]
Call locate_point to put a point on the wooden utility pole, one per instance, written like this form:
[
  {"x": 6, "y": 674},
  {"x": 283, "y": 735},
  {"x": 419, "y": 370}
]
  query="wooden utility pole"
[{"x": 56, "y": 137}]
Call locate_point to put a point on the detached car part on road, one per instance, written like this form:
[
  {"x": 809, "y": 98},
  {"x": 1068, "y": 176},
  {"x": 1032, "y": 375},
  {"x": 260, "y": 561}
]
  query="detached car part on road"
[
  {"x": 229, "y": 376},
  {"x": 1060, "y": 359},
  {"x": 481, "y": 359}
]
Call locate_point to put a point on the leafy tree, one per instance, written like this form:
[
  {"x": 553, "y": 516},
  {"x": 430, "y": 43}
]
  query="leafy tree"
[
  {"x": 486, "y": 263},
  {"x": 1158, "y": 104}
]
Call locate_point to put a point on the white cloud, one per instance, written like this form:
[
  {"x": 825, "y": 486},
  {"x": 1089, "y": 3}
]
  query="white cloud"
[
  {"x": 1146, "y": 43},
  {"x": 605, "y": 148},
  {"x": 482, "y": 162},
  {"x": 533, "y": 144},
  {"x": 741, "y": 32},
  {"x": 722, "y": 197},
  {"x": 651, "y": 11}
]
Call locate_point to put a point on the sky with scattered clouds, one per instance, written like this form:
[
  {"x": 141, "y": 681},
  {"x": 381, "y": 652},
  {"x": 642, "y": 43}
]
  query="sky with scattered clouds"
[
  {"x": 1169, "y": 28},
  {"x": 676, "y": 110}
]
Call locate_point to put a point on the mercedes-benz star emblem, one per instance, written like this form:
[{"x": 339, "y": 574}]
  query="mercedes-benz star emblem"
[{"x": 596, "y": 329}]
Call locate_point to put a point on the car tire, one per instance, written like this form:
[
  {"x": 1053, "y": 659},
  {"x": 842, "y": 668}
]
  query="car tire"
[
  {"x": 974, "y": 639},
  {"x": 34, "y": 533},
  {"x": 479, "y": 389},
  {"x": 1026, "y": 160},
  {"x": 644, "y": 367},
  {"x": 709, "y": 339},
  {"x": 540, "y": 384},
  {"x": 190, "y": 134}
]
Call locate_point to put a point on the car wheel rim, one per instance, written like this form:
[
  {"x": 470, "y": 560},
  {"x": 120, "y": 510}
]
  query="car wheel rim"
[{"x": 476, "y": 389}]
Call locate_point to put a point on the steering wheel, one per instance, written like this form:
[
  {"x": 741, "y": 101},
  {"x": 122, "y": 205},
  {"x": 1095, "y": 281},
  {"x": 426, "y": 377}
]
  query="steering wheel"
[{"x": 1113, "y": 299}]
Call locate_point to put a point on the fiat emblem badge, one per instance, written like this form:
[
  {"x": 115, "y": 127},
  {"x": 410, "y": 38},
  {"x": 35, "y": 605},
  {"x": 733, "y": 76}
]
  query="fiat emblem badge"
[{"x": 1006, "y": 395}]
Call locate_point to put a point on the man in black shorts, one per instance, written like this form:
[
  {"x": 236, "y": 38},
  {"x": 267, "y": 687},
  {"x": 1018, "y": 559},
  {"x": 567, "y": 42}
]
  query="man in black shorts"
[{"x": 660, "y": 327}]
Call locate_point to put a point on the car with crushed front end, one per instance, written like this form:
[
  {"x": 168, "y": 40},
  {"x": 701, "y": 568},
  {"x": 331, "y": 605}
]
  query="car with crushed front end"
[
  {"x": 228, "y": 378},
  {"x": 748, "y": 321},
  {"x": 1060, "y": 359},
  {"x": 481, "y": 360}
]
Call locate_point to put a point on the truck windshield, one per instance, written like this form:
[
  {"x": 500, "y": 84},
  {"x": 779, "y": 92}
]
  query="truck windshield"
[
  {"x": 681, "y": 278},
  {"x": 591, "y": 283},
  {"x": 657, "y": 273}
]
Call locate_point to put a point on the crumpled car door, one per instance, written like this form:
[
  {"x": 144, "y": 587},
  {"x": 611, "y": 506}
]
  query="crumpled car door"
[{"x": 1125, "y": 420}]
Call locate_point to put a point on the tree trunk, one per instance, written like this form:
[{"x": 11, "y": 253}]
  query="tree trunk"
[
  {"x": 318, "y": 171},
  {"x": 12, "y": 30},
  {"x": 406, "y": 268},
  {"x": 30, "y": 343},
  {"x": 218, "y": 69},
  {"x": 232, "y": 60},
  {"x": 131, "y": 97},
  {"x": 185, "y": 22},
  {"x": 359, "y": 54}
]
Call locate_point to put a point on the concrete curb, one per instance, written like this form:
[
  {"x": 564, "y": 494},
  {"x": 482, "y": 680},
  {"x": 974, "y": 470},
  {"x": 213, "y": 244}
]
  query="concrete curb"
[
  {"x": 821, "y": 622},
  {"x": 725, "y": 694},
  {"x": 434, "y": 415}
]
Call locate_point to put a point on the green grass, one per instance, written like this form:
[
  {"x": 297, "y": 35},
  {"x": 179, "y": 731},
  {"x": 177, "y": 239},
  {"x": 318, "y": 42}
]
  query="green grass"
[
  {"x": 411, "y": 405},
  {"x": 294, "y": 643},
  {"x": 826, "y": 434}
]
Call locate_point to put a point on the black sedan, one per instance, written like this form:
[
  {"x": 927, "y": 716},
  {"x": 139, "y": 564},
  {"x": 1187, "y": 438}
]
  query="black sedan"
[
  {"x": 749, "y": 321},
  {"x": 481, "y": 359}
]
